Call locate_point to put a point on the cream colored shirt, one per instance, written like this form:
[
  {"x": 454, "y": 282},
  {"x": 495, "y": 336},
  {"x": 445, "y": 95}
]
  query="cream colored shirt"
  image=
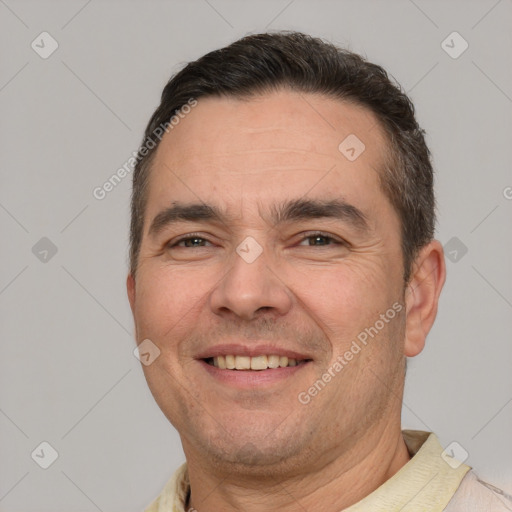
[{"x": 427, "y": 483}]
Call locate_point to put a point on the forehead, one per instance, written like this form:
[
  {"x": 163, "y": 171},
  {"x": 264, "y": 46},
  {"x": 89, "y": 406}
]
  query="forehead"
[
  {"x": 280, "y": 119},
  {"x": 281, "y": 143}
]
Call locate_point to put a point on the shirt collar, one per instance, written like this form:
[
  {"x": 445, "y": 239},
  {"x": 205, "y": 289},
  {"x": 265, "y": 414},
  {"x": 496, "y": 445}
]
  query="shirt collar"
[{"x": 427, "y": 482}]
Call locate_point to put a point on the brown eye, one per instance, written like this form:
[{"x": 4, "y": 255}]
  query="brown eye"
[
  {"x": 320, "y": 240},
  {"x": 190, "y": 241}
]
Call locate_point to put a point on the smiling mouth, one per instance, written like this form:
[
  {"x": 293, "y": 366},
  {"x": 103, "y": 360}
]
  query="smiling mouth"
[{"x": 264, "y": 362}]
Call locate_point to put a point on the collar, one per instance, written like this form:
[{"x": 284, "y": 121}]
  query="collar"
[{"x": 426, "y": 482}]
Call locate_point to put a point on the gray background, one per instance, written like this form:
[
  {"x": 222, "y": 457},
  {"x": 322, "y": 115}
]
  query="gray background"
[{"x": 68, "y": 374}]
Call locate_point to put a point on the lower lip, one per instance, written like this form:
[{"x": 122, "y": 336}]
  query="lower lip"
[{"x": 252, "y": 378}]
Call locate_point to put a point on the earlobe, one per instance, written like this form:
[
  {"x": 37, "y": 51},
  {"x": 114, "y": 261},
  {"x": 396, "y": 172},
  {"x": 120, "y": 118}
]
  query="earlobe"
[{"x": 422, "y": 296}]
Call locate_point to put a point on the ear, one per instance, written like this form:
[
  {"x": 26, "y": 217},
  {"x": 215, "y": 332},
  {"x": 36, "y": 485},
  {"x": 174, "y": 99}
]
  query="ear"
[
  {"x": 130, "y": 288},
  {"x": 422, "y": 296}
]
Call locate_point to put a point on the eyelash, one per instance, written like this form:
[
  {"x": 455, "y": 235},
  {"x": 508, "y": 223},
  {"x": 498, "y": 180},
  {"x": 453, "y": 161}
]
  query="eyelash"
[{"x": 306, "y": 236}]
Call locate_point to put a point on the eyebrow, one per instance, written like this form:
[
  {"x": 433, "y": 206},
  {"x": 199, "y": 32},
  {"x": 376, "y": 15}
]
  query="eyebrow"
[{"x": 285, "y": 212}]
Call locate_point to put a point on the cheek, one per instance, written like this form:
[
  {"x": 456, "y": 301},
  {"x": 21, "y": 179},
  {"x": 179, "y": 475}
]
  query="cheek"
[
  {"x": 344, "y": 298},
  {"x": 341, "y": 299},
  {"x": 168, "y": 300},
  {"x": 347, "y": 304}
]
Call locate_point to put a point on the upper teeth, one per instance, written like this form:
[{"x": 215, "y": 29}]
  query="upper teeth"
[{"x": 231, "y": 362}]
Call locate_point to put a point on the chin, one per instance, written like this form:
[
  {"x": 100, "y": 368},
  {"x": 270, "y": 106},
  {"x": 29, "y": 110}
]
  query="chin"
[
  {"x": 252, "y": 461},
  {"x": 255, "y": 455}
]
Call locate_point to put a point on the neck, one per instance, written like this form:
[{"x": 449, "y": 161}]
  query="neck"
[{"x": 331, "y": 487}]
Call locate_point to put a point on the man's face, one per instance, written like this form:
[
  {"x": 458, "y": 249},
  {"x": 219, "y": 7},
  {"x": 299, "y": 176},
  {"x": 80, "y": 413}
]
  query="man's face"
[{"x": 323, "y": 277}]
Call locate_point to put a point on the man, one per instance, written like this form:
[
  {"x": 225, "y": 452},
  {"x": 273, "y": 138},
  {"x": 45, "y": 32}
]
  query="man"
[{"x": 283, "y": 267}]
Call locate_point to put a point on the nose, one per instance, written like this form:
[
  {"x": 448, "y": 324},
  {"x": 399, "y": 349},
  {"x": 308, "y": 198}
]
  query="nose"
[{"x": 250, "y": 288}]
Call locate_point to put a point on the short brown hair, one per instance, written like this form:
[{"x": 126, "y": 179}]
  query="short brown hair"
[{"x": 261, "y": 63}]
